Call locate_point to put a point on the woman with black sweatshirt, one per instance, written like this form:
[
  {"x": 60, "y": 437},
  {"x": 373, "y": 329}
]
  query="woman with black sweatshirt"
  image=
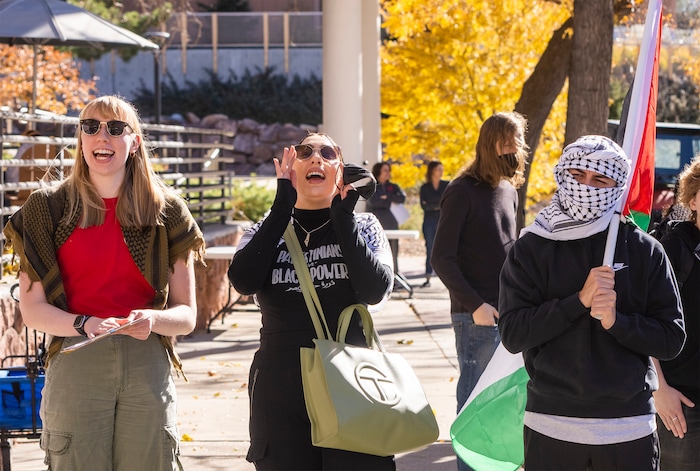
[
  {"x": 678, "y": 398},
  {"x": 350, "y": 262}
]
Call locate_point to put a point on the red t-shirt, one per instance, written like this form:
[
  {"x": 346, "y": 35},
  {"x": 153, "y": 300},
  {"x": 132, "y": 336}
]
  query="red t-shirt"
[{"x": 99, "y": 276}]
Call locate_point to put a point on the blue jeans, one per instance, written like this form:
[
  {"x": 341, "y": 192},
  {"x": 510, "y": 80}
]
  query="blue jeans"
[
  {"x": 681, "y": 454},
  {"x": 475, "y": 346}
]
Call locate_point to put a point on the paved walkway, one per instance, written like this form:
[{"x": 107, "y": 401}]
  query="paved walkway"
[{"x": 213, "y": 406}]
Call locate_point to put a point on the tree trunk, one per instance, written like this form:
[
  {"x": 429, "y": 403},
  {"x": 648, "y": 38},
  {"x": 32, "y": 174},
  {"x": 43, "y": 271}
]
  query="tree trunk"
[
  {"x": 539, "y": 93},
  {"x": 589, "y": 76}
]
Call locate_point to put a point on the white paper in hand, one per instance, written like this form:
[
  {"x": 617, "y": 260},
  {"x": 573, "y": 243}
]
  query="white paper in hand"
[{"x": 113, "y": 331}]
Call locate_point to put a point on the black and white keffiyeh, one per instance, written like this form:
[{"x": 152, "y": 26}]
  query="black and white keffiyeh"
[{"x": 578, "y": 210}]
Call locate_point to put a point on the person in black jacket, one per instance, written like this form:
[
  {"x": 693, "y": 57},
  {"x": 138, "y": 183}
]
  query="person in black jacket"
[
  {"x": 350, "y": 262},
  {"x": 679, "y": 379},
  {"x": 477, "y": 227},
  {"x": 380, "y": 203},
  {"x": 587, "y": 331},
  {"x": 430, "y": 195}
]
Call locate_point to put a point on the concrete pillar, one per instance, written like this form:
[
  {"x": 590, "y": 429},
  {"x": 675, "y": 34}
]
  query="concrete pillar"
[
  {"x": 351, "y": 77},
  {"x": 371, "y": 111}
]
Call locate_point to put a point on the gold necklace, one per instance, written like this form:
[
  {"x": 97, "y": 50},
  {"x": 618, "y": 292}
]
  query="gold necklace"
[{"x": 308, "y": 233}]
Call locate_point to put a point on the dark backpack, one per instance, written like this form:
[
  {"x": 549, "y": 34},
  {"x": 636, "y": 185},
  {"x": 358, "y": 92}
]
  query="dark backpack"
[
  {"x": 659, "y": 228},
  {"x": 686, "y": 233}
]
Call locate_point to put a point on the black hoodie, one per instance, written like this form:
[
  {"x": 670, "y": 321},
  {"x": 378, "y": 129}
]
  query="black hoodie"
[{"x": 576, "y": 367}]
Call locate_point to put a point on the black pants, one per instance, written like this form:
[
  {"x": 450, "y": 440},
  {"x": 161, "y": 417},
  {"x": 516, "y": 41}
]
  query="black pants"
[
  {"x": 543, "y": 453},
  {"x": 280, "y": 432},
  {"x": 681, "y": 454}
]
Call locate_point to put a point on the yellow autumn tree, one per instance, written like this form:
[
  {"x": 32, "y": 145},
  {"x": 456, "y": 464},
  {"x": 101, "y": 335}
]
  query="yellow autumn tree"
[
  {"x": 447, "y": 65},
  {"x": 59, "y": 87},
  {"x": 686, "y": 55},
  {"x": 541, "y": 183}
]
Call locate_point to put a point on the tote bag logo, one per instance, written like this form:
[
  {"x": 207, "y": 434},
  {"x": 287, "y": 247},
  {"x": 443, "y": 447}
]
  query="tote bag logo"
[{"x": 376, "y": 385}]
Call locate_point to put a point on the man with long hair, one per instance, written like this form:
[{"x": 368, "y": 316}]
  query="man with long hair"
[{"x": 477, "y": 227}]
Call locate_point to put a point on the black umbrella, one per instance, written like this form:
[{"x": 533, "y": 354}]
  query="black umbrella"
[{"x": 58, "y": 23}]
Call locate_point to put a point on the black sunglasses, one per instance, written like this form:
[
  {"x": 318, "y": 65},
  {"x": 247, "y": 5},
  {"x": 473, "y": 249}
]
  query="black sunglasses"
[
  {"x": 92, "y": 126},
  {"x": 304, "y": 151}
]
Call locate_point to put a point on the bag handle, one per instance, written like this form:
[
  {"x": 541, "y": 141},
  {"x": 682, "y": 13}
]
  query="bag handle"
[
  {"x": 371, "y": 336},
  {"x": 307, "y": 285},
  {"x": 314, "y": 304}
]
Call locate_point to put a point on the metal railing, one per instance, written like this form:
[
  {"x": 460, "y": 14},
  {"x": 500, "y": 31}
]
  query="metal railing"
[
  {"x": 192, "y": 160},
  {"x": 243, "y": 29}
]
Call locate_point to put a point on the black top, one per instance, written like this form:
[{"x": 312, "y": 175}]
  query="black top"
[
  {"x": 430, "y": 197},
  {"x": 380, "y": 203},
  {"x": 683, "y": 372},
  {"x": 576, "y": 367},
  {"x": 476, "y": 229},
  {"x": 349, "y": 260}
]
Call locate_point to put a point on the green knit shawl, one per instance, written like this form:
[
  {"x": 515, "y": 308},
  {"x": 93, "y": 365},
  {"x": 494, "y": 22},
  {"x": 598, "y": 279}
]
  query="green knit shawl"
[{"x": 41, "y": 226}]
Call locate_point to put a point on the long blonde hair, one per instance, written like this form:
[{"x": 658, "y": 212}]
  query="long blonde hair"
[
  {"x": 142, "y": 195},
  {"x": 487, "y": 166}
]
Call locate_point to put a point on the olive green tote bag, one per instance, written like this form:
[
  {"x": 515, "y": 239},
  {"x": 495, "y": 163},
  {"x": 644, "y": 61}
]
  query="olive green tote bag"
[{"x": 358, "y": 399}]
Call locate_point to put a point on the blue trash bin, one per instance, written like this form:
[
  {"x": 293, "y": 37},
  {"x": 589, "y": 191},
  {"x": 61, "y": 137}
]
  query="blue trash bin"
[{"x": 18, "y": 406}]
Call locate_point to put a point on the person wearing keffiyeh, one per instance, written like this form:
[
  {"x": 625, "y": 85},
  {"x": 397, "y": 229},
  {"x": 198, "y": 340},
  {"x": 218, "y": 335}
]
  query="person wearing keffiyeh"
[
  {"x": 109, "y": 245},
  {"x": 587, "y": 331}
]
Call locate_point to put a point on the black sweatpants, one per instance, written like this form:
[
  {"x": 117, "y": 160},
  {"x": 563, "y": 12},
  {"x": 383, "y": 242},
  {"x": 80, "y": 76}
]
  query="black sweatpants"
[{"x": 543, "y": 453}]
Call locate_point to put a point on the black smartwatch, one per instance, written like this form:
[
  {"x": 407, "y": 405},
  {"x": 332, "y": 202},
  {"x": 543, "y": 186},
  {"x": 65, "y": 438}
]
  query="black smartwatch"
[{"x": 79, "y": 324}]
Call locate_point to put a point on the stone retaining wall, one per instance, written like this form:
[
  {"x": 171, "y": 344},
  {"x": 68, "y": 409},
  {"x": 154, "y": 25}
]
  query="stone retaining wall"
[{"x": 255, "y": 144}]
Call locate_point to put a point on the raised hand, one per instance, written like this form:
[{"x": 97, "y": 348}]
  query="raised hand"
[{"x": 285, "y": 168}]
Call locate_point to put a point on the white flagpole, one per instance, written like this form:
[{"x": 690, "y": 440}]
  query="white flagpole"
[{"x": 636, "y": 118}]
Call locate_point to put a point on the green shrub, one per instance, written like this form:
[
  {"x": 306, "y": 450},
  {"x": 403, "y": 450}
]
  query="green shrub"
[
  {"x": 263, "y": 96},
  {"x": 415, "y": 218},
  {"x": 251, "y": 199}
]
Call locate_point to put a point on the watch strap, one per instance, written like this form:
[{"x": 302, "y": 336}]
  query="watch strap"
[{"x": 79, "y": 324}]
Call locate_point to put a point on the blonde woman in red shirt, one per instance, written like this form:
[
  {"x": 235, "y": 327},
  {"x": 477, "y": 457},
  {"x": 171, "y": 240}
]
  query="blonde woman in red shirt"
[{"x": 109, "y": 245}]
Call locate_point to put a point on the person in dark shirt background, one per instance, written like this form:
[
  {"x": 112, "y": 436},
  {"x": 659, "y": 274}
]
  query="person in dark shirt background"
[
  {"x": 677, "y": 398},
  {"x": 477, "y": 227},
  {"x": 380, "y": 203},
  {"x": 430, "y": 194}
]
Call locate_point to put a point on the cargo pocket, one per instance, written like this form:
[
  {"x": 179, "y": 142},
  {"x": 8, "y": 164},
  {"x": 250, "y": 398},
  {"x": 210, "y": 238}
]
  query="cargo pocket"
[
  {"x": 171, "y": 448},
  {"x": 56, "y": 446},
  {"x": 257, "y": 450}
]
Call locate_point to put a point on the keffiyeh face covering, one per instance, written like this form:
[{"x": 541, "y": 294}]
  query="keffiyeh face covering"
[
  {"x": 598, "y": 154},
  {"x": 578, "y": 210}
]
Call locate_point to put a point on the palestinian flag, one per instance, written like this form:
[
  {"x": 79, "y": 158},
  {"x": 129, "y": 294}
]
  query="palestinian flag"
[
  {"x": 638, "y": 122},
  {"x": 488, "y": 432}
]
